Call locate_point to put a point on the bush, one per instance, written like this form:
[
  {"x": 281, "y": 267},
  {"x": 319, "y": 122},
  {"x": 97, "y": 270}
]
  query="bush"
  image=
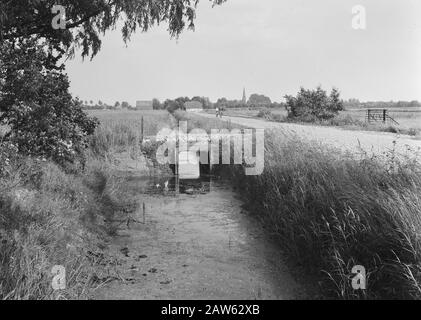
[
  {"x": 270, "y": 116},
  {"x": 266, "y": 114},
  {"x": 312, "y": 105}
]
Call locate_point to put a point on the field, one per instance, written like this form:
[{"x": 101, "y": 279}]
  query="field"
[
  {"x": 122, "y": 130},
  {"x": 153, "y": 120},
  {"x": 408, "y": 120}
]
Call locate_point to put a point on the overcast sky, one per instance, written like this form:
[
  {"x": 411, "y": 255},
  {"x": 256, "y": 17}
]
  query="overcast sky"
[{"x": 270, "y": 47}]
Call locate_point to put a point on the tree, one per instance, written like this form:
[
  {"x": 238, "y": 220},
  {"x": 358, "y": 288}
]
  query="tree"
[
  {"x": 156, "y": 105},
  {"x": 117, "y": 105},
  {"x": 86, "y": 20},
  {"x": 44, "y": 120},
  {"x": 34, "y": 97},
  {"x": 206, "y": 104},
  {"x": 259, "y": 100},
  {"x": 310, "y": 105},
  {"x": 177, "y": 104}
]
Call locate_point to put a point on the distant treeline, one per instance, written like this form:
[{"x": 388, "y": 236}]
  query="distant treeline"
[
  {"x": 255, "y": 101},
  {"x": 90, "y": 105},
  {"x": 355, "y": 103}
]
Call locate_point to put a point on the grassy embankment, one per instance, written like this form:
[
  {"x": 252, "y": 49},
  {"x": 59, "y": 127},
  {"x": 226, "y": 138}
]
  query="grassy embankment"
[
  {"x": 49, "y": 217},
  {"x": 332, "y": 212}
]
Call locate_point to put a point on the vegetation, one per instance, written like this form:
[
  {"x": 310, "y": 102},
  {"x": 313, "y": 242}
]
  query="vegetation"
[
  {"x": 122, "y": 131},
  {"x": 43, "y": 119},
  {"x": 311, "y": 105},
  {"x": 259, "y": 100},
  {"x": 52, "y": 218},
  {"x": 86, "y": 20},
  {"x": 333, "y": 210},
  {"x": 256, "y": 101},
  {"x": 156, "y": 104},
  {"x": 355, "y": 104}
]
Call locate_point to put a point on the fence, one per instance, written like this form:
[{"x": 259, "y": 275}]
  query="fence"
[{"x": 379, "y": 115}]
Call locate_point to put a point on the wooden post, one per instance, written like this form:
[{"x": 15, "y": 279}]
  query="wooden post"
[
  {"x": 144, "y": 213},
  {"x": 384, "y": 115},
  {"x": 142, "y": 128},
  {"x": 177, "y": 160}
]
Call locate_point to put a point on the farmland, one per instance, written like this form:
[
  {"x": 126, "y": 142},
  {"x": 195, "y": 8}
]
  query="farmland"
[{"x": 408, "y": 120}]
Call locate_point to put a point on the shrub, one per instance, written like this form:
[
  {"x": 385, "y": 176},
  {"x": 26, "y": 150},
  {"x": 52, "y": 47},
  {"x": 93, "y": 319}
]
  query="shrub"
[
  {"x": 311, "y": 105},
  {"x": 270, "y": 116},
  {"x": 266, "y": 114}
]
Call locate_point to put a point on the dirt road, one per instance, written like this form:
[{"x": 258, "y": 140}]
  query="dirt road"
[{"x": 370, "y": 141}]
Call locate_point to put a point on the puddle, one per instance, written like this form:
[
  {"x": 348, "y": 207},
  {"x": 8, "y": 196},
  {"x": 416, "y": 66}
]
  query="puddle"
[{"x": 167, "y": 185}]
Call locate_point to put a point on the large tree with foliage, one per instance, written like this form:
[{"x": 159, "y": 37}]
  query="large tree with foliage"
[
  {"x": 259, "y": 100},
  {"x": 86, "y": 20},
  {"x": 44, "y": 120},
  {"x": 34, "y": 90}
]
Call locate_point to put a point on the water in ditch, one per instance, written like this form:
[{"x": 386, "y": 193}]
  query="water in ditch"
[{"x": 200, "y": 243}]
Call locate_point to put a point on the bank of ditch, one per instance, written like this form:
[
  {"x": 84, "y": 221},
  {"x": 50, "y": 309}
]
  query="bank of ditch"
[{"x": 332, "y": 211}]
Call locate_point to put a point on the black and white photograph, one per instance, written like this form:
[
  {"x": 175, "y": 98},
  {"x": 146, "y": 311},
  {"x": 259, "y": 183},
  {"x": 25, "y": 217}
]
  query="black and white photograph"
[{"x": 210, "y": 156}]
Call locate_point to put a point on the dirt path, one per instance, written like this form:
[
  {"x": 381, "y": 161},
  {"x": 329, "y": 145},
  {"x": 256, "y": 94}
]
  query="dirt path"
[
  {"x": 201, "y": 245},
  {"x": 370, "y": 141}
]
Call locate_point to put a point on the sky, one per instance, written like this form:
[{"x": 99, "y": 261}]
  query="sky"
[{"x": 270, "y": 47}]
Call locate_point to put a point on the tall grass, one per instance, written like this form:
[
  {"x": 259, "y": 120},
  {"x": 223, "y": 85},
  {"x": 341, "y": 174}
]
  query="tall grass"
[
  {"x": 48, "y": 218},
  {"x": 195, "y": 121},
  {"x": 124, "y": 132},
  {"x": 332, "y": 212}
]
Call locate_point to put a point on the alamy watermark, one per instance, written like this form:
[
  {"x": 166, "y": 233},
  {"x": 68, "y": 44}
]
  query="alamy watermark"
[
  {"x": 59, "y": 277},
  {"x": 59, "y": 20},
  {"x": 359, "y": 17},
  {"x": 220, "y": 147},
  {"x": 359, "y": 281}
]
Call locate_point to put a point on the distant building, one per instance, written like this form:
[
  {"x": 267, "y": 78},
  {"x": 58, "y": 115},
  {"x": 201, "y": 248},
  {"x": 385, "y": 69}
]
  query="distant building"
[
  {"x": 144, "y": 105},
  {"x": 193, "y": 106},
  {"x": 244, "y": 100}
]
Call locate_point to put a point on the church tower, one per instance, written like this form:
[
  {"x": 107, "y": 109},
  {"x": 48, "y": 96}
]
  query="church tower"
[{"x": 244, "y": 96}]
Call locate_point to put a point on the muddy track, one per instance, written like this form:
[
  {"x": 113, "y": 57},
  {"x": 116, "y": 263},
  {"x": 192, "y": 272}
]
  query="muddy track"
[{"x": 198, "y": 245}]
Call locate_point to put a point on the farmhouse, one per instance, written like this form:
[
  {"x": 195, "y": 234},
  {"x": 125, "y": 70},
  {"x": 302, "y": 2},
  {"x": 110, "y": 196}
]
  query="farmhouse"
[
  {"x": 144, "y": 105},
  {"x": 193, "y": 106}
]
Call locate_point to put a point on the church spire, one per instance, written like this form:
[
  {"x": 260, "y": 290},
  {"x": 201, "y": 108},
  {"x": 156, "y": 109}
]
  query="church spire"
[{"x": 244, "y": 96}]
